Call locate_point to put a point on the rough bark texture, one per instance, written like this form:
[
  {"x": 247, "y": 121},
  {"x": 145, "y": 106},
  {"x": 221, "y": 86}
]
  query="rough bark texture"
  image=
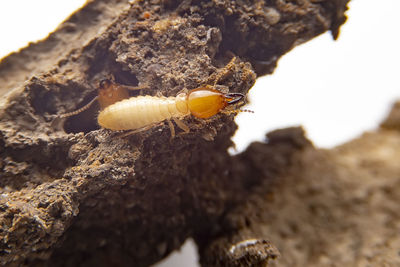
[
  {"x": 321, "y": 208},
  {"x": 73, "y": 194}
]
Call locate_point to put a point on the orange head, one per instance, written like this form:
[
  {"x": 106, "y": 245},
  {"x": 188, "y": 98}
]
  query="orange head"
[
  {"x": 205, "y": 102},
  {"x": 110, "y": 93}
]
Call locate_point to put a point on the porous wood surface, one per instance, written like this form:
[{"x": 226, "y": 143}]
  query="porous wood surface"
[{"x": 74, "y": 194}]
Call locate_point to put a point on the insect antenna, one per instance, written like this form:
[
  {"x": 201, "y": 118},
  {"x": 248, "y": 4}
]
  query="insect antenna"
[
  {"x": 236, "y": 111},
  {"x": 75, "y": 112},
  {"x": 245, "y": 110}
]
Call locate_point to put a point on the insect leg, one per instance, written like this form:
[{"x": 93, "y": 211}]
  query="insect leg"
[
  {"x": 222, "y": 73},
  {"x": 172, "y": 128},
  {"x": 131, "y": 132},
  {"x": 183, "y": 91},
  {"x": 182, "y": 125}
]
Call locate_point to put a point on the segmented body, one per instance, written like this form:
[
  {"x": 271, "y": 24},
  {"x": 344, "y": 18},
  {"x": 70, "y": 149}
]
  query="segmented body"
[
  {"x": 138, "y": 112},
  {"x": 144, "y": 111}
]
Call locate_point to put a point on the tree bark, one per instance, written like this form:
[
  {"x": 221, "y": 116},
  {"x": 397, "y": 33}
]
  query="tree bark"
[{"x": 74, "y": 194}]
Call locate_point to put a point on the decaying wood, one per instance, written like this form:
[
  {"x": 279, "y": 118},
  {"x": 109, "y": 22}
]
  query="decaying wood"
[
  {"x": 317, "y": 207},
  {"x": 73, "y": 194}
]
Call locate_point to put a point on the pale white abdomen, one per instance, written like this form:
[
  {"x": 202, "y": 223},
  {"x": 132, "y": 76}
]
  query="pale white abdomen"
[{"x": 138, "y": 112}]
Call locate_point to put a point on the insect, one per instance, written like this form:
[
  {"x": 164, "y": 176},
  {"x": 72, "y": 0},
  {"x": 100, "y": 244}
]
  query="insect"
[
  {"x": 141, "y": 112},
  {"x": 119, "y": 112}
]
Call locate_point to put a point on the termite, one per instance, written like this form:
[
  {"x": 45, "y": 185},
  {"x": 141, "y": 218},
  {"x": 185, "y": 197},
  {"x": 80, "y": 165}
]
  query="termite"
[
  {"x": 141, "y": 112},
  {"x": 108, "y": 93}
]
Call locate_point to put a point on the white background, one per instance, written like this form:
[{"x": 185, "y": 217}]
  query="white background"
[{"x": 336, "y": 90}]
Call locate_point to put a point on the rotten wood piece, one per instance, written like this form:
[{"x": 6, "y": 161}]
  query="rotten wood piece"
[{"x": 75, "y": 194}]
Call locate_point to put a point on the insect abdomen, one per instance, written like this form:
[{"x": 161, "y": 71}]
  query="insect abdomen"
[{"x": 138, "y": 112}]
